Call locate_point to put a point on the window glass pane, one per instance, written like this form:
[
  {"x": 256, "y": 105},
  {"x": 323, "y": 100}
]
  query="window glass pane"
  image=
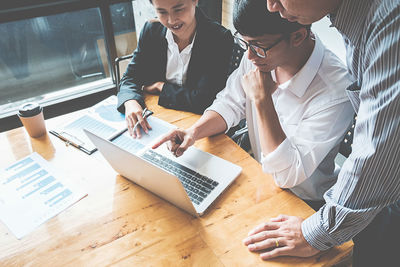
[
  {"x": 124, "y": 28},
  {"x": 48, "y": 54}
]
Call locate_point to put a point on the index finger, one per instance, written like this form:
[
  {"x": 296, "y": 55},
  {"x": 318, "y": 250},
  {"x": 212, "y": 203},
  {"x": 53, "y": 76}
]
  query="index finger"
[{"x": 167, "y": 137}]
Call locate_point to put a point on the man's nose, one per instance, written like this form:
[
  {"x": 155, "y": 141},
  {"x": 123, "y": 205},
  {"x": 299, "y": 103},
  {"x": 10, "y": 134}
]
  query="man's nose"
[
  {"x": 274, "y": 6},
  {"x": 251, "y": 55},
  {"x": 171, "y": 19}
]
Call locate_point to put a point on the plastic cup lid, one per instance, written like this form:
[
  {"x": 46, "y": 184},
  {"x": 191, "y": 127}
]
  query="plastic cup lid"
[{"x": 29, "y": 109}]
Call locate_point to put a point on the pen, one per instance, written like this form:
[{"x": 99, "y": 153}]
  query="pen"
[
  {"x": 146, "y": 113},
  {"x": 69, "y": 142}
]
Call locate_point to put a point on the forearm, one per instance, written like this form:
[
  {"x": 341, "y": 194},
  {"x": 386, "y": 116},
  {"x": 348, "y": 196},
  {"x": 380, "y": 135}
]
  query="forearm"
[
  {"x": 211, "y": 123},
  {"x": 194, "y": 99},
  {"x": 269, "y": 128}
]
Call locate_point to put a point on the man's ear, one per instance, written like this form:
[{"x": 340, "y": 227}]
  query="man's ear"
[{"x": 297, "y": 37}]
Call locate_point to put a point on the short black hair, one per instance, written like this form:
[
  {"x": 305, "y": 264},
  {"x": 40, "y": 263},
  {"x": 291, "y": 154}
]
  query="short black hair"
[{"x": 252, "y": 18}]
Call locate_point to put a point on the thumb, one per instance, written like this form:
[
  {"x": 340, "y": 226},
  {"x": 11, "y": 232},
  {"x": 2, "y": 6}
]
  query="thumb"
[{"x": 187, "y": 141}]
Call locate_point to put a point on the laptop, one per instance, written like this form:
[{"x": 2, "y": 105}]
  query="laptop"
[{"x": 191, "y": 182}]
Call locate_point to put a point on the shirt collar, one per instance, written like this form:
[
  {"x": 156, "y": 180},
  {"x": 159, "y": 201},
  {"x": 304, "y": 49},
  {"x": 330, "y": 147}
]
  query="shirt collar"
[
  {"x": 350, "y": 18},
  {"x": 171, "y": 42},
  {"x": 169, "y": 37},
  {"x": 299, "y": 83}
]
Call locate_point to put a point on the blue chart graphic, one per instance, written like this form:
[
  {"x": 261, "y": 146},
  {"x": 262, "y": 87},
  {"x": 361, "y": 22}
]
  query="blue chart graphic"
[
  {"x": 51, "y": 188},
  {"x": 20, "y": 164},
  {"x": 22, "y": 173},
  {"x": 128, "y": 144},
  {"x": 91, "y": 124},
  {"x": 57, "y": 198},
  {"x": 40, "y": 185},
  {"x": 33, "y": 193},
  {"x": 32, "y": 178},
  {"x": 110, "y": 113}
]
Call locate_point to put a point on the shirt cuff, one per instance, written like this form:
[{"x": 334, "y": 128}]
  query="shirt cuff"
[
  {"x": 315, "y": 234},
  {"x": 279, "y": 159}
]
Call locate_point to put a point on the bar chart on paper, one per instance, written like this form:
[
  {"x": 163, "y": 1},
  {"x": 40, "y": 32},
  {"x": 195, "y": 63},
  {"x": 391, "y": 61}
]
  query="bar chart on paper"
[{"x": 31, "y": 193}]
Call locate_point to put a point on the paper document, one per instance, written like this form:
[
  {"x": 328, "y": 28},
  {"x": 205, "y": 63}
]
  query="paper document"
[
  {"x": 103, "y": 119},
  {"x": 31, "y": 193},
  {"x": 158, "y": 128}
]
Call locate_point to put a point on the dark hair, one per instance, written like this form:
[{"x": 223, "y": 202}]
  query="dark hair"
[{"x": 252, "y": 18}]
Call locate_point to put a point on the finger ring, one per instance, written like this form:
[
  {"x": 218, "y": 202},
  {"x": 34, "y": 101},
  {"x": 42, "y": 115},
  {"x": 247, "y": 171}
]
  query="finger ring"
[{"x": 276, "y": 243}]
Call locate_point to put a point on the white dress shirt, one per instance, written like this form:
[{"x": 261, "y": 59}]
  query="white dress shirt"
[
  {"x": 177, "y": 62},
  {"x": 314, "y": 113}
]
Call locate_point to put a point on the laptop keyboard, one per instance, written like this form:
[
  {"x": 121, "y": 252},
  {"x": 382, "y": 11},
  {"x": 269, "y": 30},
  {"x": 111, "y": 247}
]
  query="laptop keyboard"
[{"x": 197, "y": 186}]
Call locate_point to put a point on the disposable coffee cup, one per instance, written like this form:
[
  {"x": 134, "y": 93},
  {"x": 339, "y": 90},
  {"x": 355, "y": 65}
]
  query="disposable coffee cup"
[{"x": 31, "y": 116}]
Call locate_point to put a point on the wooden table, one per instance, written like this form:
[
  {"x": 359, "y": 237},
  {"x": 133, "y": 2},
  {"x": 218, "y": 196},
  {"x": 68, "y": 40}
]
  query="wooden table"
[{"x": 120, "y": 223}]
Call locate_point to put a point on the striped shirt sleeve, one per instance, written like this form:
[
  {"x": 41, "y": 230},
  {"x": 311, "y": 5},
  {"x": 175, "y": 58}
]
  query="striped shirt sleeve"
[{"x": 370, "y": 177}]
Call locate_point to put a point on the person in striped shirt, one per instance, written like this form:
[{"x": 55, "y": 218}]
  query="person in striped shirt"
[{"x": 364, "y": 203}]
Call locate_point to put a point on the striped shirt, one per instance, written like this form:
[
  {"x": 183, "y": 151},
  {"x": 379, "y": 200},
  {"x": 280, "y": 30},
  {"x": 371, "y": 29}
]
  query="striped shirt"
[{"x": 370, "y": 177}]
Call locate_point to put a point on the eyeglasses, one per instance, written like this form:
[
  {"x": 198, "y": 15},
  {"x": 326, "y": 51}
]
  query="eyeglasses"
[{"x": 258, "y": 50}]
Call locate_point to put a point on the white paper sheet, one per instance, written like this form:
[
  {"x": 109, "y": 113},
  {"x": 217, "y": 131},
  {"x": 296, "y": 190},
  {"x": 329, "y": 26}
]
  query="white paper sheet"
[
  {"x": 135, "y": 145},
  {"x": 31, "y": 193}
]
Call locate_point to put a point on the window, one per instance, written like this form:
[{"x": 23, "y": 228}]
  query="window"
[
  {"x": 124, "y": 28},
  {"x": 56, "y": 57}
]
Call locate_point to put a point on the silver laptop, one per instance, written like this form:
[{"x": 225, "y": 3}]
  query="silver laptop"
[{"x": 191, "y": 182}]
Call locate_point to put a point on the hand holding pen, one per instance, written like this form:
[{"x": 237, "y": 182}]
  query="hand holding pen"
[
  {"x": 134, "y": 116},
  {"x": 142, "y": 123}
]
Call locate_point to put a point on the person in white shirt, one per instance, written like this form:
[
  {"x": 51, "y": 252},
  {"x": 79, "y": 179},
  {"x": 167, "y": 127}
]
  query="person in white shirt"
[{"x": 291, "y": 90}]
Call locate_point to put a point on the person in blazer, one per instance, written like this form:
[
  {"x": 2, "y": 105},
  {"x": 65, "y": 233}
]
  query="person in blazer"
[{"x": 183, "y": 56}]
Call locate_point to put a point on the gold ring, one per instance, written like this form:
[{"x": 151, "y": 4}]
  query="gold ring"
[{"x": 276, "y": 243}]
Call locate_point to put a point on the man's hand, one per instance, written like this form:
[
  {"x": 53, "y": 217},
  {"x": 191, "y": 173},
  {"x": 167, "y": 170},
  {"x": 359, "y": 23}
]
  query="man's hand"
[
  {"x": 133, "y": 114},
  {"x": 177, "y": 141},
  {"x": 154, "y": 88},
  {"x": 281, "y": 236},
  {"x": 258, "y": 85}
]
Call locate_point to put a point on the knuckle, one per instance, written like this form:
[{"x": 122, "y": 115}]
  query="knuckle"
[{"x": 264, "y": 235}]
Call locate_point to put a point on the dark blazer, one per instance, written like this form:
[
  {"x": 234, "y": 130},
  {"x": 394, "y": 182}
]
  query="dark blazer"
[{"x": 206, "y": 75}]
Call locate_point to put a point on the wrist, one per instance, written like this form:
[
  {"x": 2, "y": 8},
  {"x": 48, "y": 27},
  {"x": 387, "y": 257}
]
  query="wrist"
[
  {"x": 130, "y": 103},
  {"x": 160, "y": 86},
  {"x": 262, "y": 100},
  {"x": 193, "y": 132}
]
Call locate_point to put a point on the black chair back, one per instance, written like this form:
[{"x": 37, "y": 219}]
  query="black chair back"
[
  {"x": 237, "y": 55},
  {"x": 118, "y": 69},
  {"x": 346, "y": 144}
]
